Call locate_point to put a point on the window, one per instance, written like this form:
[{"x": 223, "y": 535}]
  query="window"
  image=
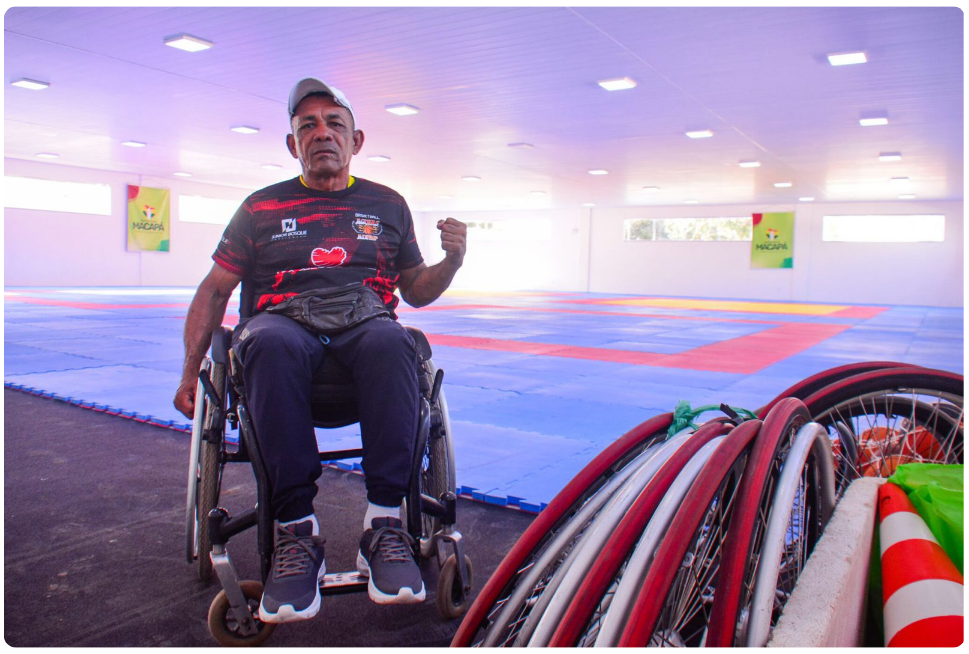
[
  {"x": 689, "y": 229},
  {"x": 884, "y": 229},
  {"x": 197, "y": 209},
  {"x": 52, "y": 195}
]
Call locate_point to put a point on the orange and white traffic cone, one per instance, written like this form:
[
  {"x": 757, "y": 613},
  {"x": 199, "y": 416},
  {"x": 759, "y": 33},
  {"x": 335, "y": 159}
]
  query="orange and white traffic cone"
[{"x": 922, "y": 589}]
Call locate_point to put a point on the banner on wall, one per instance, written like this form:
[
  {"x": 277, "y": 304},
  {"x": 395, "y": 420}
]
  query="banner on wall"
[
  {"x": 148, "y": 219},
  {"x": 772, "y": 245}
]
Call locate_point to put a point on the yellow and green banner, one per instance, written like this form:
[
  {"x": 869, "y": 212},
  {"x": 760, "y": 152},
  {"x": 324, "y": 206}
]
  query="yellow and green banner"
[
  {"x": 148, "y": 219},
  {"x": 772, "y": 245}
]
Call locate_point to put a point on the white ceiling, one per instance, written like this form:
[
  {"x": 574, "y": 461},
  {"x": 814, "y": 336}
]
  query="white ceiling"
[{"x": 486, "y": 77}]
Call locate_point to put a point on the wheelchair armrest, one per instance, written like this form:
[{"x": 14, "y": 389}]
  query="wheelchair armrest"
[
  {"x": 221, "y": 342},
  {"x": 422, "y": 345}
]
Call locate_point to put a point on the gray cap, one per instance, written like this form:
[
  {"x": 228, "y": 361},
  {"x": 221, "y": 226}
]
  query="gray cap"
[{"x": 311, "y": 85}]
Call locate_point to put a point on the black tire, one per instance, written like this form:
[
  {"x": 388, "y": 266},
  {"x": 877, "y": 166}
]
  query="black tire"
[
  {"x": 210, "y": 476},
  {"x": 223, "y": 625},
  {"x": 452, "y": 600},
  {"x": 431, "y": 474}
]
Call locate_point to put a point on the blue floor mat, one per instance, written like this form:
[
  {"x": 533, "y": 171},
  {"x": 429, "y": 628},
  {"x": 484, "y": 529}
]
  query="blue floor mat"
[{"x": 523, "y": 424}]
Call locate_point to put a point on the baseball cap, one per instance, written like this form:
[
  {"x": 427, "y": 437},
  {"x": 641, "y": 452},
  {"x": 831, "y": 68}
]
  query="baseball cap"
[{"x": 310, "y": 85}]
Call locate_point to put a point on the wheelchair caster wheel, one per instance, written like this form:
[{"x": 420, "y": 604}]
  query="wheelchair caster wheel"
[
  {"x": 225, "y": 627},
  {"x": 452, "y": 600}
]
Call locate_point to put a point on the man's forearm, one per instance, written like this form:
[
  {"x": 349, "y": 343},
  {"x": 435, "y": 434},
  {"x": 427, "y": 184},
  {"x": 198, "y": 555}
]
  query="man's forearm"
[
  {"x": 430, "y": 283},
  {"x": 204, "y": 315}
]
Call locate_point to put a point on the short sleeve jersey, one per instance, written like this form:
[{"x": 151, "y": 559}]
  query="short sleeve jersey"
[{"x": 287, "y": 239}]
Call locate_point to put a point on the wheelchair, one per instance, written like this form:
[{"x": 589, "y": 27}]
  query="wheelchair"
[{"x": 428, "y": 511}]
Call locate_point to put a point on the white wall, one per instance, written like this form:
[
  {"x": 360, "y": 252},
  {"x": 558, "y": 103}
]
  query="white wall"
[
  {"x": 559, "y": 264},
  {"x": 861, "y": 273},
  {"x": 47, "y": 248},
  {"x": 586, "y": 251}
]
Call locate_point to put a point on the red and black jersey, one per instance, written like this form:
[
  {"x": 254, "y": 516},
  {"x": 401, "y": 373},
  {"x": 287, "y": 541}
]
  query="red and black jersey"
[{"x": 287, "y": 239}]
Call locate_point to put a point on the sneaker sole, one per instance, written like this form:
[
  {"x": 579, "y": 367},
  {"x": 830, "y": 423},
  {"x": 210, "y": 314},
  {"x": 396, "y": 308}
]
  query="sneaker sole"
[
  {"x": 287, "y": 613},
  {"x": 404, "y": 595}
]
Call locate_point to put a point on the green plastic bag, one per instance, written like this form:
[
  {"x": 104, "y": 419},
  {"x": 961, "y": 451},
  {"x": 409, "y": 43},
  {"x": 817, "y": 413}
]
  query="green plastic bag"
[{"x": 936, "y": 490}]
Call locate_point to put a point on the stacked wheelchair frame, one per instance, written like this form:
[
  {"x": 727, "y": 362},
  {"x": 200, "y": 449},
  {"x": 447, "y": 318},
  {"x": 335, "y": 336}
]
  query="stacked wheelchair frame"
[
  {"x": 429, "y": 509},
  {"x": 697, "y": 538}
]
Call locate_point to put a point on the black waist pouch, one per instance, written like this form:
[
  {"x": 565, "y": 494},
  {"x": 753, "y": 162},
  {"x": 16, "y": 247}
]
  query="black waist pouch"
[{"x": 331, "y": 311}]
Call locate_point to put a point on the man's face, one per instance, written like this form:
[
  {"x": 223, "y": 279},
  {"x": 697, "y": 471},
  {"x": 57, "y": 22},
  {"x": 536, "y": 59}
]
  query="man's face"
[{"x": 323, "y": 137}]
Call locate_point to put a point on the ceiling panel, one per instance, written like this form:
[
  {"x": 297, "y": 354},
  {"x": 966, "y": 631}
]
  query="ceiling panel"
[{"x": 487, "y": 77}]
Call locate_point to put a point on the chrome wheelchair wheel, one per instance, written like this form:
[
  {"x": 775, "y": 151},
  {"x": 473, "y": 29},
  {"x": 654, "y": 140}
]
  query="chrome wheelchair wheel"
[
  {"x": 205, "y": 470},
  {"x": 435, "y": 469}
]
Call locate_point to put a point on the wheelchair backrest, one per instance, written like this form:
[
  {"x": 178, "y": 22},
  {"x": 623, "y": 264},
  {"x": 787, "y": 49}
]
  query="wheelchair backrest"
[{"x": 247, "y": 299}]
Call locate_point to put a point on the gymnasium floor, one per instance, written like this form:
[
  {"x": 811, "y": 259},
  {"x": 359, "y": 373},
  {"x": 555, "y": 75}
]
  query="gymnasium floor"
[{"x": 537, "y": 383}]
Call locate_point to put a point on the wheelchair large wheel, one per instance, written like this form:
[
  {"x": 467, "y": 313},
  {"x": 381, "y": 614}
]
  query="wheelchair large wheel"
[
  {"x": 745, "y": 539},
  {"x": 891, "y": 417},
  {"x": 807, "y": 387},
  {"x": 548, "y": 525},
  {"x": 804, "y": 492},
  {"x": 639, "y": 531},
  {"x": 674, "y": 601},
  {"x": 436, "y": 470},
  {"x": 205, "y": 472}
]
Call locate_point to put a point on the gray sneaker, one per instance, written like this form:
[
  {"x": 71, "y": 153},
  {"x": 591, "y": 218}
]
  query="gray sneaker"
[
  {"x": 387, "y": 556},
  {"x": 293, "y": 588}
]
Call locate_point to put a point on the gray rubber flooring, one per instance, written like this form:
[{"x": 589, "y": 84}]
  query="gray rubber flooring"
[{"x": 94, "y": 541}]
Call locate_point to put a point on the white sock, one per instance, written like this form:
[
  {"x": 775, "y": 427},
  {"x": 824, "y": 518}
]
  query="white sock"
[
  {"x": 377, "y": 511},
  {"x": 311, "y": 517}
]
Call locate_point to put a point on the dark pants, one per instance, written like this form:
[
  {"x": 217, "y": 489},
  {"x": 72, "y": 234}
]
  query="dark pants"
[{"x": 279, "y": 358}]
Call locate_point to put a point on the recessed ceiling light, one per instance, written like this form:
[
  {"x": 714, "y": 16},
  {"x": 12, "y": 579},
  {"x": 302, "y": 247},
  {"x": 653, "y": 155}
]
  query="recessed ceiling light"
[
  {"x": 188, "y": 43},
  {"x": 906, "y": 196},
  {"x": 402, "y": 109},
  {"x": 871, "y": 122},
  {"x": 47, "y": 155},
  {"x": 650, "y": 189},
  {"x": 271, "y": 167},
  {"x": 618, "y": 84},
  {"x": 700, "y": 134},
  {"x": 598, "y": 171},
  {"x": 32, "y": 84},
  {"x": 134, "y": 144},
  {"x": 446, "y": 197},
  {"x": 537, "y": 194},
  {"x": 900, "y": 180},
  {"x": 588, "y": 204},
  {"x": 783, "y": 185},
  {"x": 847, "y": 58},
  {"x": 890, "y": 156},
  {"x": 379, "y": 158},
  {"x": 181, "y": 174},
  {"x": 244, "y": 129},
  {"x": 806, "y": 199},
  {"x": 750, "y": 164},
  {"x": 471, "y": 178},
  {"x": 691, "y": 202},
  {"x": 521, "y": 146}
]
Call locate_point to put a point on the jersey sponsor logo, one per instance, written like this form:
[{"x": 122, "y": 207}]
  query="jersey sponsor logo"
[
  {"x": 367, "y": 227},
  {"x": 323, "y": 258},
  {"x": 289, "y": 231}
]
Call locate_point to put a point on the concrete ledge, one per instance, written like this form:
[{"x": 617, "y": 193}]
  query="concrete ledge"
[{"x": 827, "y": 607}]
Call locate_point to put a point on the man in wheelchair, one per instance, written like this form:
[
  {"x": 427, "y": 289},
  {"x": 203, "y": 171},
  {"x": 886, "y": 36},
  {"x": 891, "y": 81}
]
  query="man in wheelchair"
[{"x": 324, "y": 254}]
